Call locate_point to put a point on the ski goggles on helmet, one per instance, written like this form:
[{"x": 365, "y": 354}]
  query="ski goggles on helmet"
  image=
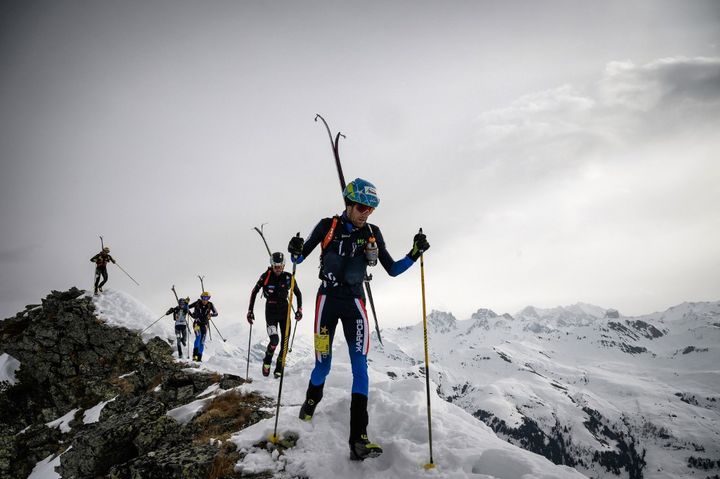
[
  {"x": 205, "y": 298},
  {"x": 363, "y": 208}
]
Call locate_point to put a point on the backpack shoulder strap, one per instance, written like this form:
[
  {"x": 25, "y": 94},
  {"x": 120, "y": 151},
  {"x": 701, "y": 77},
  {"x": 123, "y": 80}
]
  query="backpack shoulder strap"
[{"x": 330, "y": 234}]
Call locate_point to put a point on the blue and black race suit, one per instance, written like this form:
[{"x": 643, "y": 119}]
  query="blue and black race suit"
[
  {"x": 202, "y": 314},
  {"x": 343, "y": 268}
]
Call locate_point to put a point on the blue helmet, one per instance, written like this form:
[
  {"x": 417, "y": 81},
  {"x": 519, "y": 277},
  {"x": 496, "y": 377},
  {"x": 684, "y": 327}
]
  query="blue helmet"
[{"x": 361, "y": 191}]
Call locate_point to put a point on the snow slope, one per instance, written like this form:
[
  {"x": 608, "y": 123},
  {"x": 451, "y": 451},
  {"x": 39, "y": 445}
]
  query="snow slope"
[
  {"x": 463, "y": 447},
  {"x": 612, "y": 396}
]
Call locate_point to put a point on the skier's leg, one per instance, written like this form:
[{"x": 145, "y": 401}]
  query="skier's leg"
[
  {"x": 325, "y": 323},
  {"x": 357, "y": 334}
]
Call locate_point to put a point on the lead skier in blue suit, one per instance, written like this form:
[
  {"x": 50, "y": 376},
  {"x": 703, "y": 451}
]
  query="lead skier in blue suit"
[{"x": 349, "y": 244}]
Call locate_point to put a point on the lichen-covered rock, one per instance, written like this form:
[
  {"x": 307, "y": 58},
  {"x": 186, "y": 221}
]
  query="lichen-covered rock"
[
  {"x": 182, "y": 462},
  {"x": 8, "y": 453},
  {"x": 71, "y": 360}
]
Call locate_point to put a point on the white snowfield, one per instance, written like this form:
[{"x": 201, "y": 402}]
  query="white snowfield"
[{"x": 654, "y": 378}]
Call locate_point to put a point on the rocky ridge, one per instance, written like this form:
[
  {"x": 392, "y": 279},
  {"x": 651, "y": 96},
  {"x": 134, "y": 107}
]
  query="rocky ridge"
[{"x": 72, "y": 363}]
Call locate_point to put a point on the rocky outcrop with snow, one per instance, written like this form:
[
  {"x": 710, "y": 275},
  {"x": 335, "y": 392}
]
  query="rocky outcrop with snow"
[{"x": 93, "y": 399}]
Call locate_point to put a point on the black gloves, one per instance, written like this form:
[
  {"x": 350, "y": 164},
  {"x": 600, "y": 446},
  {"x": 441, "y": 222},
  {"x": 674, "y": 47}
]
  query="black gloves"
[
  {"x": 295, "y": 246},
  {"x": 250, "y": 317},
  {"x": 298, "y": 314},
  {"x": 420, "y": 245}
]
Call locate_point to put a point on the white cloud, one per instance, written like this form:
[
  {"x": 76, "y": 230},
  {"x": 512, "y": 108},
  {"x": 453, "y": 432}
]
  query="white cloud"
[
  {"x": 603, "y": 193},
  {"x": 570, "y": 120}
]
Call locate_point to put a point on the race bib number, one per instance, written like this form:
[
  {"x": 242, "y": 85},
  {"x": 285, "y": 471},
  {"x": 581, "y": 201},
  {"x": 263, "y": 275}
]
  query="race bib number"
[{"x": 322, "y": 343}]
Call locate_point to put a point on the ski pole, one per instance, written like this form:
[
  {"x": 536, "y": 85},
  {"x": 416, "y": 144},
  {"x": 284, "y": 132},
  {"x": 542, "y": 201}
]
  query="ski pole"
[
  {"x": 216, "y": 329},
  {"x": 429, "y": 465},
  {"x": 161, "y": 317},
  {"x": 102, "y": 245},
  {"x": 247, "y": 371},
  {"x": 293, "y": 337},
  {"x": 128, "y": 275},
  {"x": 274, "y": 438},
  {"x": 372, "y": 306}
]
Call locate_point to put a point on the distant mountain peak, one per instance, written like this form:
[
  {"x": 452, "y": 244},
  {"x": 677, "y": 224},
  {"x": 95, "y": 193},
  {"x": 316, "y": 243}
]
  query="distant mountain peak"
[
  {"x": 484, "y": 313},
  {"x": 529, "y": 311},
  {"x": 441, "y": 321}
]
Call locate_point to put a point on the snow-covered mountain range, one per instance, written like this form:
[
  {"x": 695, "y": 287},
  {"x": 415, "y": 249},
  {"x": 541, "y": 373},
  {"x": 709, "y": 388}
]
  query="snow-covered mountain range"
[
  {"x": 584, "y": 386},
  {"x": 598, "y": 394}
]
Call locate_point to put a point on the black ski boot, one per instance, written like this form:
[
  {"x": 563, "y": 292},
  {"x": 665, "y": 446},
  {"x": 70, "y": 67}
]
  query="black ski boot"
[
  {"x": 195, "y": 354},
  {"x": 361, "y": 449},
  {"x": 360, "y": 446},
  {"x": 312, "y": 397}
]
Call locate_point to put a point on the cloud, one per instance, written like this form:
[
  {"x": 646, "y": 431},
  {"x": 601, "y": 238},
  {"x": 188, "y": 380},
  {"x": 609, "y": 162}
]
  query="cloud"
[
  {"x": 602, "y": 192},
  {"x": 693, "y": 83},
  {"x": 555, "y": 129}
]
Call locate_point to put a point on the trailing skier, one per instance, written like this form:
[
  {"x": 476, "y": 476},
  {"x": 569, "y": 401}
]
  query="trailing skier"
[
  {"x": 347, "y": 248},
  {"x": 101, "y": 260},
  {"x": 275, "y": 285},
  {"x": 202, "y": 311},
  {"x": 180, "y": 314}
]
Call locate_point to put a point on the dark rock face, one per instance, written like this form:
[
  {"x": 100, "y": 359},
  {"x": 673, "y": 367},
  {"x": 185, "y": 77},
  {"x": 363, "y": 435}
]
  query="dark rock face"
[
  {"x": 72, "y": 360},
  {"x": 625, "y": 458},
  {"x": 530, "y": 436}
]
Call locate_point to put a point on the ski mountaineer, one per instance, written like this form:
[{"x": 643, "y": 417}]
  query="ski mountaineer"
[
  {"x": 203, "y": 310},
  {"x": 101, "y": 260},
  {"x": 349, "y": 244},
  {"x": 180, "y": 314},
  {"x": 275, "y": 285}
]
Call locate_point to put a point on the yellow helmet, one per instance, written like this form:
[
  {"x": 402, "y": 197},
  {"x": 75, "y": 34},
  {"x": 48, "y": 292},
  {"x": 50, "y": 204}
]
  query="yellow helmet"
[{"x": 205, "y": 295}]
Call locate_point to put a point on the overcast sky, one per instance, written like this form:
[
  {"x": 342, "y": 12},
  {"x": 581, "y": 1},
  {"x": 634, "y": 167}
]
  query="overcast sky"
[{"x": 554, "y": 152}]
